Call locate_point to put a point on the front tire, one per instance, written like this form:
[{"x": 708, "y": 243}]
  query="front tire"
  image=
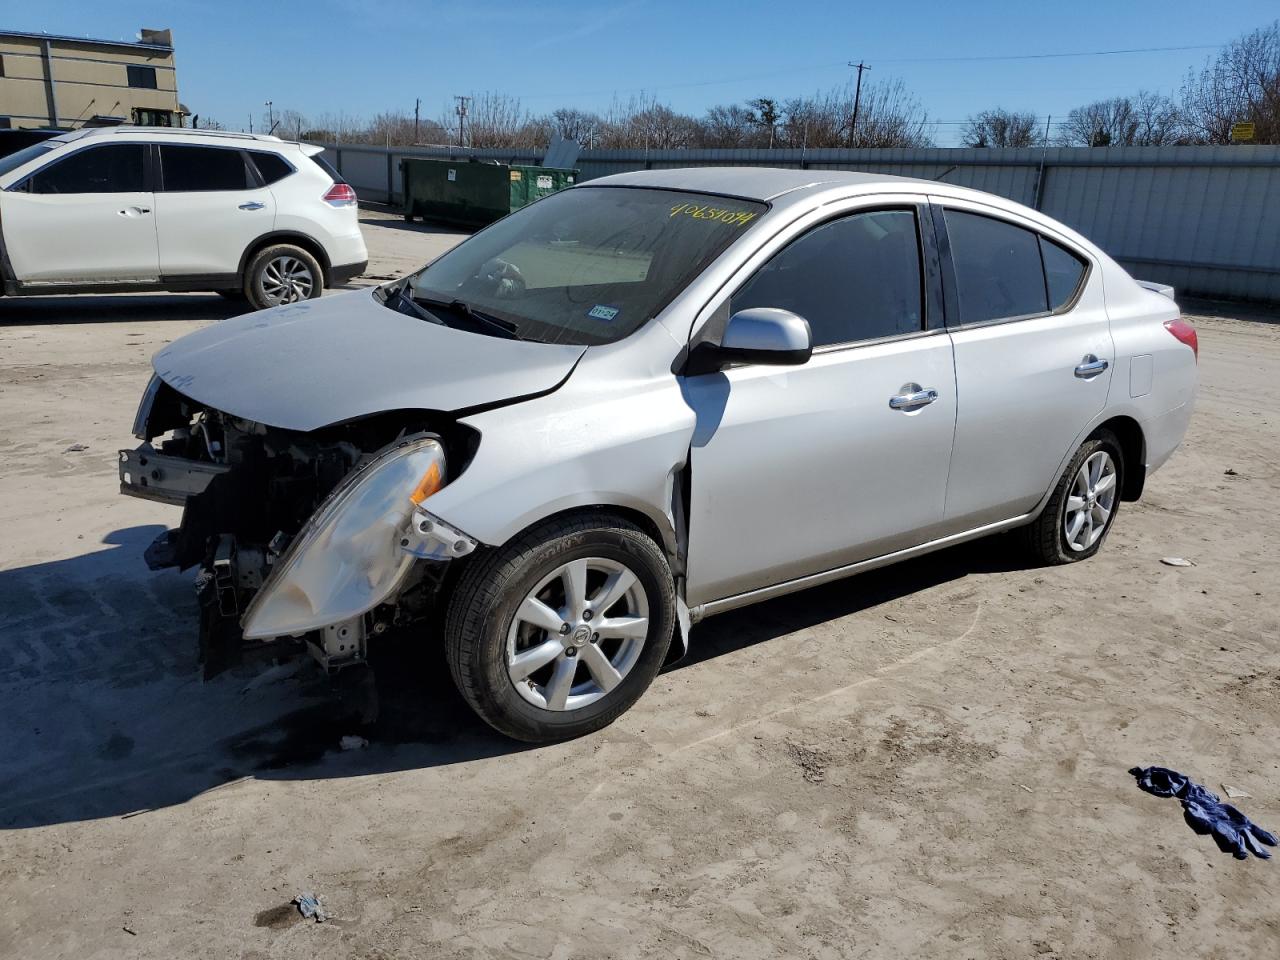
[
  {"x": 1084, "y": 504},
  {"x": 559, "y": 632},
  {"x": 282, "y": 273}
]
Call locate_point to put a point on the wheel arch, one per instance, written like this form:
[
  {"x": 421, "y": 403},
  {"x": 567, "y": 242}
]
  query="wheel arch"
[
  {"x": 1133, "y": 447},
  {"x": 669, "y": 540},
  {"x": 309, "y": 244},
  {"x": 659, "y": 532}
]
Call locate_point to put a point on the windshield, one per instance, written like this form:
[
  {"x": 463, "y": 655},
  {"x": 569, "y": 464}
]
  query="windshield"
[
  {"x": 586, "y": 266},
  {"x": 16, "y": 159}
]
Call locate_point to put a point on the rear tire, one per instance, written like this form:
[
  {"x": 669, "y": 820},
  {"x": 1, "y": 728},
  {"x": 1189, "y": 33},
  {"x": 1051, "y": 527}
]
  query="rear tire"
[
  {"x": 282, "y": 273},
  {"x": 1080, "y": 513},
  {"x": 540, "y": 666}
]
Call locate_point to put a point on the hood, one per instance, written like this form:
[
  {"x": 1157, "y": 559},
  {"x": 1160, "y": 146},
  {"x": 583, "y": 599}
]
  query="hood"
[{"x": 307, "y": 365}]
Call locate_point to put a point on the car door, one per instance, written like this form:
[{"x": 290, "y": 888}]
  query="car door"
[
  {"x": 1033, "y": 356},
  {"x": 211, "y": 206},
  {"x": 85, "y": 217},
  {"x": 797, "y": 470}
]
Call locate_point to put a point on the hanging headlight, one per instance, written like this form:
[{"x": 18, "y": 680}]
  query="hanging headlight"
[{"x": 351, "y": 555}]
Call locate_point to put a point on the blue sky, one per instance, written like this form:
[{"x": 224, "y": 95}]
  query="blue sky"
[{"x": 331, "y": 56}]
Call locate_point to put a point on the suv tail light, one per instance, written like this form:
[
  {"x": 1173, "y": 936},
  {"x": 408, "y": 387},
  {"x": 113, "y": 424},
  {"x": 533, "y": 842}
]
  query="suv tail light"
[
  {"x": 1186, "y": 333},
  {"x": 340, "y": 195}
]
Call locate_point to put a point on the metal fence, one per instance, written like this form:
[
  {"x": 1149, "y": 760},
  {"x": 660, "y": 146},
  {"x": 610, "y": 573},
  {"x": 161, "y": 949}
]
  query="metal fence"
[{"x": 1204, "y": 219}]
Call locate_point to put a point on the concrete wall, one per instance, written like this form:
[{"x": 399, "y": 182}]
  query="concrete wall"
[{"x": 1204, "y": 219}]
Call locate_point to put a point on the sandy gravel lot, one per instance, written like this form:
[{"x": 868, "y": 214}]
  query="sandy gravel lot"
[{"x": 926, "y": 761}]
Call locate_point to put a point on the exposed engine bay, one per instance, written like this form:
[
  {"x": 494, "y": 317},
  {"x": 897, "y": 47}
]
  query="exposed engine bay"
[{"x": 260, "y": 505}]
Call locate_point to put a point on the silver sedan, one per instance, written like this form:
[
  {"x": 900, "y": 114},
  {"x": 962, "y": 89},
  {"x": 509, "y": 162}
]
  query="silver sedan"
[{"x": 645, "y": 400}]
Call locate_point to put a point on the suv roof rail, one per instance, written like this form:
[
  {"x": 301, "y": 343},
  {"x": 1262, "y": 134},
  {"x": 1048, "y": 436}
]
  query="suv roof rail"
[{"x": 170, "y": 131}]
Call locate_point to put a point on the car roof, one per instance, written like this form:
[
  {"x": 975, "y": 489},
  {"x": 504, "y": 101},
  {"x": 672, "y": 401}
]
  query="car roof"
[
  {"x": 128, "y": 130},
  {"x": 752, "y": 183}
]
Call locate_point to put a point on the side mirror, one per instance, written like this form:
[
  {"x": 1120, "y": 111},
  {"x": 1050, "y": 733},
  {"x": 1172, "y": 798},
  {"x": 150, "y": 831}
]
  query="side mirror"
[{"x": 759, "y": 335}]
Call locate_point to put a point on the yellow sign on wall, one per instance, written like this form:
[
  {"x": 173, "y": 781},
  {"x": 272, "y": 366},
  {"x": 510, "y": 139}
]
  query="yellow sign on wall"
[{"x": 1241, "y": 132}]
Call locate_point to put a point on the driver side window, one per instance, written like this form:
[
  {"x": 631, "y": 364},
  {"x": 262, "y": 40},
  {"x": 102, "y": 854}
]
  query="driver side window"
[
  {"x": 856, "y": 278},
  {"x": 113, "y": 168}
]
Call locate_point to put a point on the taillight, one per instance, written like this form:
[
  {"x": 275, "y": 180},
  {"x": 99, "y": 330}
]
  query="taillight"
[
  {"x": 340, "y": 195},
  {"x": 1186, "y": 333}
]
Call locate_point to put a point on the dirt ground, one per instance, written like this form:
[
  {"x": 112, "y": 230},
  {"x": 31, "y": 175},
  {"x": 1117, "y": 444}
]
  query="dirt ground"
[{"x": 925, "y": 761}]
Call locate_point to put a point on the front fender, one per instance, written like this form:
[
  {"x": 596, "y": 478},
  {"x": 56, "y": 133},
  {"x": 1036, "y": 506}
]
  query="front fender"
[{"x": 584, "y": 445}]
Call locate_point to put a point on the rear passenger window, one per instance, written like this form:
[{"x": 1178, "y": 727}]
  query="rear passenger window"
[
  {"x": 272, "y": 166},
  {"x": 188, "y": 169},
  {"x": 853, "y": 279},
  {"x": 998, "y": 269},
  {"x": 114, "y": 168},
  {"x": 1063, "y": 271}
]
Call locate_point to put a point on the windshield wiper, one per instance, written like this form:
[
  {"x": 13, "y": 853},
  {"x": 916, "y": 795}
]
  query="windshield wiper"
[
  {"x": 398, "y": 299},
  {"x": 504, "y": 327}
]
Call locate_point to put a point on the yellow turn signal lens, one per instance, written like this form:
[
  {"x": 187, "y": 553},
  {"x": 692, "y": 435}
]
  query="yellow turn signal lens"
[{"x": 431, "y": 482}]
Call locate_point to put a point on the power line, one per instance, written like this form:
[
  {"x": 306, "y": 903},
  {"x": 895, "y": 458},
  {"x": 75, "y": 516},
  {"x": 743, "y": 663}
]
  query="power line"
[
  {"x": 812, "y": 67},
  {"x": 1051, "y": 56}
]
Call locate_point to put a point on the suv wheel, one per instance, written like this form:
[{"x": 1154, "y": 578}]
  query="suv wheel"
[
  {"x": 1079, "y": 515},
  {"x": 282, "y": 273},
  {"x": 559, "y": 632}
]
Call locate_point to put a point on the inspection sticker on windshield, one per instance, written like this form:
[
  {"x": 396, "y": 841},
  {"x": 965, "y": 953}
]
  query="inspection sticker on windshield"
[
  {"x": 701, "y": 211},
  {"x": 601, "y": 312}
]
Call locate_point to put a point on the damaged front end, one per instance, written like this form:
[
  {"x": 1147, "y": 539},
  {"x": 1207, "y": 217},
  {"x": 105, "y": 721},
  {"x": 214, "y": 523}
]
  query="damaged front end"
[{"x": 312, "y": 541}]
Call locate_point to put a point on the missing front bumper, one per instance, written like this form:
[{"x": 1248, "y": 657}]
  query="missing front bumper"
[{"x": 154, "y": 476}]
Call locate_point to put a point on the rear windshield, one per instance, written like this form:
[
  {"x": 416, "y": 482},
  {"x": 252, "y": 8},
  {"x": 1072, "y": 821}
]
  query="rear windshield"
[
  {"x": 319, "y": 160},
  {"x": 589, "y": 265}
]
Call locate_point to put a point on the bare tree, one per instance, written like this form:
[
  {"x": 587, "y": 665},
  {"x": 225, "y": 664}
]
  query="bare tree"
[
  {"x": 290, "y": 123},
  {"x": 1000, "y": 128},
  {"x": 397, "y": 128},
  {"x": 727, "y": 126},
  {"x": 1242, "y": 83},
  {"x": 498, "y": 120},
  {"x": 573, "y": 124},
  {"x": 1143, "y": 120},
  {"x": 335, "y": 128}
]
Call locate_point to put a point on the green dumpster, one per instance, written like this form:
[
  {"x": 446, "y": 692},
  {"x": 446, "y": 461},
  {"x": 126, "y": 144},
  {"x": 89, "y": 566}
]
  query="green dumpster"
[{"x": 471, "y": 193}]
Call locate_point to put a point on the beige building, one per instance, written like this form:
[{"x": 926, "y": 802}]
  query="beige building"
[{"x": 52, "y": 81}]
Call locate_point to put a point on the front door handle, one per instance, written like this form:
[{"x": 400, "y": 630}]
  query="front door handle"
[
  {"x": 913, "y": 400},
  {"x": 1090, "y": 366},
  {"x": 134, "y": 211},
  {"x": 252, "y": 205}
]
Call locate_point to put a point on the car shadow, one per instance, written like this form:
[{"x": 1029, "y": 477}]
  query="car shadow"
[
  {"x": 116, "y": 308},
  {"x": 417, "y": 226},
  {"x": 105, "y": 713}
]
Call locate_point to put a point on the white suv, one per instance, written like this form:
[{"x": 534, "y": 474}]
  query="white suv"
[{"x": 121, "y": 209}]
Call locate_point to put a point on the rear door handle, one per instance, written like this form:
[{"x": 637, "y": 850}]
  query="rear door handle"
[
  {"x": 133, "y": 211},
  {"x": 914, "y": 400},
  {"x": 252, "y": 205},
  {"x": 1090, "y": 366}
]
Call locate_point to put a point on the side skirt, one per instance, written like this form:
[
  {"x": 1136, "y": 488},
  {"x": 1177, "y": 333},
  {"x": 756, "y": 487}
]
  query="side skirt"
[{"x": 713, "y": 607}]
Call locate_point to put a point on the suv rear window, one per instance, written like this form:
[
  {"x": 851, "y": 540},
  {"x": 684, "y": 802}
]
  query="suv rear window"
[
  {"x": 327, "y": 167},
  {"x": 188, "y": 169},
  {"x": 272, "y": 166}
]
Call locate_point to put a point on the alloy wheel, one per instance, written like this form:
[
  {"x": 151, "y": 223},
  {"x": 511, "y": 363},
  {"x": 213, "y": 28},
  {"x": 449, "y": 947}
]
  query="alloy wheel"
[
  {"x": 1091, "y": 502},
  {"x": 287, "y": 279},
  {"x": 577, "y": 634}
]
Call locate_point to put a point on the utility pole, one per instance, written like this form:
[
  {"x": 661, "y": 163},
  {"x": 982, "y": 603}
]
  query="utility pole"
[
  {"x": 461, "y": 110},
  {"x": 417, "y": 105},
  {"x": 857, "y": 98},
  {"x": 271, "y": 118}
]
